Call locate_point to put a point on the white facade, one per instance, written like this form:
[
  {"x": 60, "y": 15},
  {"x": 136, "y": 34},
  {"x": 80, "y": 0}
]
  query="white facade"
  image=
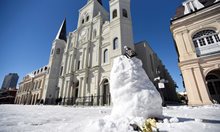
[
  {"x": 91, "y": 48},
  {"x": 80, "y": 64}
]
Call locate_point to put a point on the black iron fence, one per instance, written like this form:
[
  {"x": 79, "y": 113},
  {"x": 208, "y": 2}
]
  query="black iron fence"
[{"x": 84, "y": 101}]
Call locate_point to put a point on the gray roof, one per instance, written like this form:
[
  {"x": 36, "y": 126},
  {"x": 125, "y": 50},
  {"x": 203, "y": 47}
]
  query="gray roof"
[{"x": 180, "y": 10}]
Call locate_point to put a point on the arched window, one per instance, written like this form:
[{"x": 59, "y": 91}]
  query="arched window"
[
  {"x": 206, "y": 41},
  {"x": 105, "y": 60},
  {"x": 58, "y": 51},
  {"x": 87, "y": 18},
  {"x": 83, "y": 21},
  {"x": 114, "y": 14},
  {"x": 205, "y": 37},
  {"x": 115, "y": 43},
  {"x": 125, "y": 13}
]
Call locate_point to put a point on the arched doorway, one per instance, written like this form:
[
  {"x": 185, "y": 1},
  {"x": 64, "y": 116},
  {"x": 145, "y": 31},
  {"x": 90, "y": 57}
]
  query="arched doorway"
[
  {"x": 213, "y": 83},
  {"x": 106, "y": 93},
  {"x": 76, "y": 92}
]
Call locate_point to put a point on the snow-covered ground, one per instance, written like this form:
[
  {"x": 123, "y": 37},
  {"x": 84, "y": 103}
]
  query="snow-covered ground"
[{"x": 39, "y": 118}]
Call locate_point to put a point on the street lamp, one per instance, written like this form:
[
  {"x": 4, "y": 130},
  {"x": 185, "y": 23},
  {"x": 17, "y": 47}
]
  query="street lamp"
[{"x": 161, "y": 84}]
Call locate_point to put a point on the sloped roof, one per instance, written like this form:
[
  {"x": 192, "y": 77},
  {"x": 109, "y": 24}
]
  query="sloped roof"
[{"x": 180, "y": 10}]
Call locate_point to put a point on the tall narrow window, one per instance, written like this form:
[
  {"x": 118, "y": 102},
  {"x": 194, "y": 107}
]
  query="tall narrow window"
[
  {"x": 78, "y": 66},
  {"x": 115, "y": 43},
  {"x": 58, "y": 51},
  {"x": 36, "y": 85},
  {"x": 217, "y": 38},
  {"x": 125, "y": 13},
  {"x": 83, "y": 21},
  {"x": 114, "y": 14},
  {"x": 87, "y": 18},
  {"x": 105, "y": 56},
  {"x": 61, "y": 70}
]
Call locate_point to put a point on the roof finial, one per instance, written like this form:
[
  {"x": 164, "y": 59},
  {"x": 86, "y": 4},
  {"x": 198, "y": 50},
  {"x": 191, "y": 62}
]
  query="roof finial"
[{"x": 191, "y": 6}]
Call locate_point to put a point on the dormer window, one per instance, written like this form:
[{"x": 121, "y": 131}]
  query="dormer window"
[
  {"x": 191, "y": 6},
  {"x": 206, "y": 42}
]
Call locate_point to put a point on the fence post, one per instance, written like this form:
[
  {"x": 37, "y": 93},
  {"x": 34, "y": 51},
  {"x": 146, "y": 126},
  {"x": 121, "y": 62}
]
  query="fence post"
[{"x": 92, "y": 100}]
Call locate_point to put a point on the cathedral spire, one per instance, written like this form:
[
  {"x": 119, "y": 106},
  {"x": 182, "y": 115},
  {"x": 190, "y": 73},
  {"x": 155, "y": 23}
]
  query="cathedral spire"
[
  {"x": 62, "y": 31},
  {"x": 100, "y": 1}
]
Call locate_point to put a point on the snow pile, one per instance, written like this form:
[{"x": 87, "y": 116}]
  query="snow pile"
[
  {"x": 133, "y": 94},
  {"x": 134, "y": 98}
]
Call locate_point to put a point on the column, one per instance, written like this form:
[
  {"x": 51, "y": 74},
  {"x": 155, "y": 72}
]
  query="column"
[
  {"x": 188, "y": 43},
  {"x": 69, "y": 89},
  {"x": 61, "y": 88},
  {"x": 194, "y": 97},
  {"x": 82, "y": 87},
  {"x": 66, "y": 89},
  {"x": 180, "y": 45},
  {"x": 79, "y": 90},
  {"x": 202, "y": 86},
  {"x": 84, "y": 59},
  {"x": 70, "y": 63},
  {"x": 67, "y": 64}
]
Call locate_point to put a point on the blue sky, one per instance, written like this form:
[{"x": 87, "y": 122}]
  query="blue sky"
[{"x": 28, "y": 27}]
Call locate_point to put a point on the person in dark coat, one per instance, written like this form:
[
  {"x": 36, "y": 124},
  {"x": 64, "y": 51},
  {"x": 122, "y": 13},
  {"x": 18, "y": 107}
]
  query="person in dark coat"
[{"x": 129, "y": 53}]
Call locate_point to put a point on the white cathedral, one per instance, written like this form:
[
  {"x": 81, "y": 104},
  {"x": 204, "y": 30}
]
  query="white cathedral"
[{"x": 80, "y": 62}]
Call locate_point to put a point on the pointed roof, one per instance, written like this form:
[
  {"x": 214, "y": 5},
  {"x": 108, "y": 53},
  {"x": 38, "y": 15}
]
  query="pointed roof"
[
  {"x": 62, "y": 31},
  {"x": 100, "y": 1}
]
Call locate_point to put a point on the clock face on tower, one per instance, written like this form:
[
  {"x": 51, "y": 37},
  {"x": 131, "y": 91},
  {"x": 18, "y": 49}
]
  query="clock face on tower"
[{"x": 83, "y": 35}]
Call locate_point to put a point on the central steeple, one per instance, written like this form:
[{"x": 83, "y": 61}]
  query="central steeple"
[
  {"x": 100, "y": 1},
  {"x": 62, "y": 31}
]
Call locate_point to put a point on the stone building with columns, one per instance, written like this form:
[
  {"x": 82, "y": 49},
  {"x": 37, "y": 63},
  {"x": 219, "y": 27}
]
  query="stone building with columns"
[
  {"x": 196, "y": 32},
  {"x": 91, "y": 48},
  {"x": 31, "y": 87},
  {"x": 80, "y": 63}
]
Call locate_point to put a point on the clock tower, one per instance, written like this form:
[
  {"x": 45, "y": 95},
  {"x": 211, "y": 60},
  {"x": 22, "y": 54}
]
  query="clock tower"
[{"x": 120, "y": 26}]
